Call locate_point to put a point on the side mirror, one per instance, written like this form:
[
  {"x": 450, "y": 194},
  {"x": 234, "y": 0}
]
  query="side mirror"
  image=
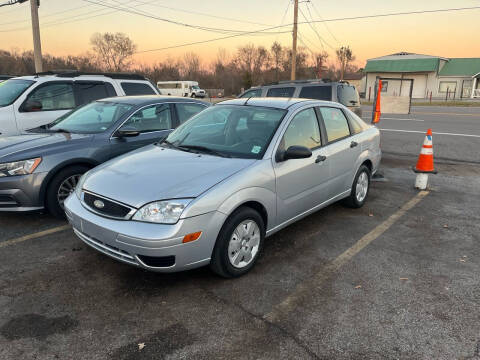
[
  {"x": 297, "y": 152},
  {"x": 127, "y": 132},
  {"x": 33, "y": 105}
]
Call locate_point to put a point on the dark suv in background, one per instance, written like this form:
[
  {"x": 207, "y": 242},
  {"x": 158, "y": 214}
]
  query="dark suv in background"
[{"x": 341, "y": 92}]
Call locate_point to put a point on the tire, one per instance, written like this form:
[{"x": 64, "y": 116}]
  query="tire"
[
  {"x": 194, "y": 96},
  {"x": 362, "y": 177},
  {"x": 226, "y": 248},
  {"x": 67, "y": 178}
]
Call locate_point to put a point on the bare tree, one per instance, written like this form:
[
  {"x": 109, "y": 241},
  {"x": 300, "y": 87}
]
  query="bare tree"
[
  {"x": 113, "y": 51},
  {"x": 191, "y": 66},
  {"x": 319, "y": 60},
  {"x": 345, "y": 57},
  {"x": 277, "y": 55}
]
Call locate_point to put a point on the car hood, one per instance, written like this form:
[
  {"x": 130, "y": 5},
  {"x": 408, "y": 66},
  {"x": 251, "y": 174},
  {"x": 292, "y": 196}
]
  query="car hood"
[
  {"x": 24, "y": 146},
  {"x": 156, "y": 173}
]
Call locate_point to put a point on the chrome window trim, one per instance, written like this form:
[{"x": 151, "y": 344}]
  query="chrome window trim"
[{"x": 126, "y": 217}]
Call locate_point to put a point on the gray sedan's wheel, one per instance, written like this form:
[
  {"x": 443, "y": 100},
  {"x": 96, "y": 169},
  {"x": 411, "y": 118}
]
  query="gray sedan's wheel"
[
  {"x": 360, "y": 188},
  {"x": 239, "y": 243},
  {"x": 61, "y": 186},
  {"x": 66, "y": 188}
]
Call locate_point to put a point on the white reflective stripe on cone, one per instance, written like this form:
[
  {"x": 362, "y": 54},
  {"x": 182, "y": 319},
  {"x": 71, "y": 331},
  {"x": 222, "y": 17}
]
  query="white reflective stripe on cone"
[{"x": 426, "y": 151}]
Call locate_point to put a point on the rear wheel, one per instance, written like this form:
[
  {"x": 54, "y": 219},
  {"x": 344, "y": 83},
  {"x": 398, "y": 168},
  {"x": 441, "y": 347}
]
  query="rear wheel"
[
  {"x": 61, "y": 186},
  {"x": 239, "y": 243},
  {"x": 360, "y": 188}
]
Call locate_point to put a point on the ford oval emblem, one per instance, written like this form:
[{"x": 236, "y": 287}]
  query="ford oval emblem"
[{"x": 99, "y": 204}]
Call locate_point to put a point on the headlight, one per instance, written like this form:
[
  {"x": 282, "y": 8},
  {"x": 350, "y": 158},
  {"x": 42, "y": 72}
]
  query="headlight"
[
  {"x": 79, "y": 187},
  {"x": 23, "y": 167},
  {"x": 162, "y": 212}
]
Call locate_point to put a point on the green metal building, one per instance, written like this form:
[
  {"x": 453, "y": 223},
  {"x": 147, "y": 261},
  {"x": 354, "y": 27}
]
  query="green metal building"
[{"x": 439, "y": 77}]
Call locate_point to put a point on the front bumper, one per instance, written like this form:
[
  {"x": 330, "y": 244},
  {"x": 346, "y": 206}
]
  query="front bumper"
[
  {"x": 22, "y": 193},
  {"x": 155, "y": 247}
]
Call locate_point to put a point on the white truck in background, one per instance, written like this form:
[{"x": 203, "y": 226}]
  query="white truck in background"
[{"x": 181, "y": 88}]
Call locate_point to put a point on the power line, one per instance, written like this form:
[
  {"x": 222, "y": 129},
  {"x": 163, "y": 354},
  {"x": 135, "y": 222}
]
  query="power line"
[
  {"x": 314, "y": 30},
  {"x": 198, "y": 27},
  {"x": 311, "y": 17},
  {"x": 47, "y": 15},
  {"x": 74, "y": 18},
  {"x": 320, "y": 17},
  {"x": 209, "y": 15},
  {"x": 315, "y": 21}
]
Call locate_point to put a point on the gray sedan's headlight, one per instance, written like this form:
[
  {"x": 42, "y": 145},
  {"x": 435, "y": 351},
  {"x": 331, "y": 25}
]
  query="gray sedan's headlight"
[
  {"x": 162, "y": 212},
  {"x": 22, "y": 167},
  {"x": 79, "y": 187}
]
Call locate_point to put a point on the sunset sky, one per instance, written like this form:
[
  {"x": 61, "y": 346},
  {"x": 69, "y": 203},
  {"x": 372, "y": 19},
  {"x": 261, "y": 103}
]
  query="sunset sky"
[{"x": 66, "y": 26}]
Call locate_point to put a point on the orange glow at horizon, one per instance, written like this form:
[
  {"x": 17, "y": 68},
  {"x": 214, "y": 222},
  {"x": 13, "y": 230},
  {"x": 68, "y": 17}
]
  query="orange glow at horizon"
[{"x": 66, "y": 29}]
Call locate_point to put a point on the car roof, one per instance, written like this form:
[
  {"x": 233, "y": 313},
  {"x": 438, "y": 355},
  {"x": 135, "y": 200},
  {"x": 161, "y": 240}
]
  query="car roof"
[
  {"x": 150, "y": 99},
  {"x": 278, "y": 103}
]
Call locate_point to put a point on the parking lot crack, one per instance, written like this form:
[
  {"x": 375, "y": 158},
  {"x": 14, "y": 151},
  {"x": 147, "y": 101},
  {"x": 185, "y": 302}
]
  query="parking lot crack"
[{"x": 263, "y": 320}]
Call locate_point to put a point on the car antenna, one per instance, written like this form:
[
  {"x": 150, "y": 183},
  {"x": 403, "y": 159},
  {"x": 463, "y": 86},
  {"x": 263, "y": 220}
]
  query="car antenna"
[{"x": 246, "y": 101}]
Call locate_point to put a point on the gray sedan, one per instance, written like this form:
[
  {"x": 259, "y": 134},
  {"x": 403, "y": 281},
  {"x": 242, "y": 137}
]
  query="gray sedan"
[
  {"x": 40, "y": 169},
  {"x": 220, "y": 183}
]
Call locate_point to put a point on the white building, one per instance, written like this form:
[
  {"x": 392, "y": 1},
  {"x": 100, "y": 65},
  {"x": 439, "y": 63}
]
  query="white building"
[{"x": 432, "y": 76}]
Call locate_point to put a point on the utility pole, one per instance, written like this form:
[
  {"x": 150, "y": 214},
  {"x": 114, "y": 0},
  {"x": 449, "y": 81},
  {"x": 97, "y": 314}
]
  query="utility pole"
[
  {"x": 37, "y": 45},
  {"x": 294, "y": 46}
]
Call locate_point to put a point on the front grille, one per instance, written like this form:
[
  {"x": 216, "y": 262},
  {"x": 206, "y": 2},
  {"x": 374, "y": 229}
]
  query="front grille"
[
  {"x": 162, "y": 261},
  {"x": 109, "y": 209},
  {"x": 112, "y": 251}
]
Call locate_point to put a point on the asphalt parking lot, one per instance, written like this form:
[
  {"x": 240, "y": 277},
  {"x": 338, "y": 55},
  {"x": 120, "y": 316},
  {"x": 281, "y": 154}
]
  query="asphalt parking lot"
[{"x": 397, "y": 279}]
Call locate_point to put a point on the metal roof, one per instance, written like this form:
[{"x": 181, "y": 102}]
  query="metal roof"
[
  {"x": 461, "y": 67},
  {"x": 279, "y": 103},
  {"x": 403, "y": 65},
  {"x": 150, "y": 99}
]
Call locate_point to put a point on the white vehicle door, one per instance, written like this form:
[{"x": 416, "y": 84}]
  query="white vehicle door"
[
  {"x": 44, "y": 104},
  {"x": 301, "y": 184}
]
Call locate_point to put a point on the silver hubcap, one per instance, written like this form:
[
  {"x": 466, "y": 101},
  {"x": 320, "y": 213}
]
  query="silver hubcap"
[
  {"x": 244, "y": 243},
  {"x": 66, "y": 188},
  {"x": 362, "y": 187}
]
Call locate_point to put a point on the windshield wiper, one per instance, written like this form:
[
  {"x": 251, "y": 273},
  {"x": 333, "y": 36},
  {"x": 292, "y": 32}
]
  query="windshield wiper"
[{"x": 204, "y": 149}]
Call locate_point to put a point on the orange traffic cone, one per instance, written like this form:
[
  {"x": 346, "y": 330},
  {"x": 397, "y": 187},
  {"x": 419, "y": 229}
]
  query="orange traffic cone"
[{"x": 425, "y": 162}]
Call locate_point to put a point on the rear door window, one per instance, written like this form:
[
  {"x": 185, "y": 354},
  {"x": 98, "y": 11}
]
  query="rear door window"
[
  {"x": 185, "y": 111},
  {"x": 286, "y": 92},
  {"x": 90, "y": 91},
  {"x": 131, "y": 88},
  {"x": 336, "y": 123},
  {"x": 347, "y": 95},
  {"x": 317, "y": 92},
  {"x": 152, "y": 118}
]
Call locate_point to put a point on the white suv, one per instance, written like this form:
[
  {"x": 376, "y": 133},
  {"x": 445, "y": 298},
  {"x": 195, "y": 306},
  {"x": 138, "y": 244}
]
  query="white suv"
[{"x": 30, "y": 101}]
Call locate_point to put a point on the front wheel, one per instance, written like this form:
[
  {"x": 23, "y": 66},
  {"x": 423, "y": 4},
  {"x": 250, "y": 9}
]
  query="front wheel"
[
  {"x": 239, "y": 243},
  {"x": 194, "y": 96},
  {"x": 360, "y": 188},
  {"x": 61, "y": 186}
]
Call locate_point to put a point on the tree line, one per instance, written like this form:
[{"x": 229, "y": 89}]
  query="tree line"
[{"x": 248, "y": 66}]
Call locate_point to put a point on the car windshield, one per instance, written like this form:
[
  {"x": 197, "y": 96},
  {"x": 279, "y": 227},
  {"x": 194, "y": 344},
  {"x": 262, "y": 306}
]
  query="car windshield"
[
  {"x": 228, "y": 130},
  {"x": 10, "y": 90},
  {"x": 92, "y": 118},
  {"x": 347, "y": 95},
  {"x": 196, "y": 87}
]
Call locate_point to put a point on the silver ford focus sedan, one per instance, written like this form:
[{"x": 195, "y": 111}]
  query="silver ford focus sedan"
[{"x": 223, "y": 181}]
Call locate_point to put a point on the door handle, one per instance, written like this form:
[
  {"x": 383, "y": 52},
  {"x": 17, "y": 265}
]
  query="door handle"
[
  {"x": 353, "y": 144},
  {"x": 320, "y": 158}
]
